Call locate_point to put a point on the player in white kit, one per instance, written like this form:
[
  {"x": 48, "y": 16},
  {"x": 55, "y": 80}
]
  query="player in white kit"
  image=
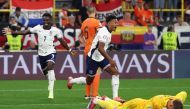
[
  {"x": 46, "y": 50},
  {"x": 98, "y": 57}
]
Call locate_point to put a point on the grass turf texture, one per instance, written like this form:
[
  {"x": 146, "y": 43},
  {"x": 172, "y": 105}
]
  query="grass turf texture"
[{"x": 32, "y": 94}]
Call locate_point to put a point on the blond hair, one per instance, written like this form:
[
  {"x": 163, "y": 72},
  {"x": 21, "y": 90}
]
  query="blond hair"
[{"x": 91, "y": 9}]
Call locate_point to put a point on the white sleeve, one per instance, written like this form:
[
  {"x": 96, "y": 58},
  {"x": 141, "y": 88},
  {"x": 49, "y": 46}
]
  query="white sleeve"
[
  {"x": 59, "y": 34},
  {"x": 102, "y": 36},
  {"x": 34, "y": 29}
]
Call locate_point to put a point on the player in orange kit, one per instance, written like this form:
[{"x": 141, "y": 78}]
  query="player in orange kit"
[{"x": 88, "y": 30}]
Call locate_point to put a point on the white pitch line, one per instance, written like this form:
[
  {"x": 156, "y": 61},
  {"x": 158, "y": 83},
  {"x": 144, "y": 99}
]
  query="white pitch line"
[
  {"x": 187, "y": 105},
  {"x": 42, "y": 104},
  {"x": 37, "y": 90}
]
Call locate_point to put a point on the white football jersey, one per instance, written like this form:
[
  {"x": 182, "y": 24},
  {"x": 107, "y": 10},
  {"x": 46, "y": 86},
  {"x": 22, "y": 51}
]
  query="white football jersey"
[
  {"x": 103, "y": 35},
  {"x": 46, "y": 38}
]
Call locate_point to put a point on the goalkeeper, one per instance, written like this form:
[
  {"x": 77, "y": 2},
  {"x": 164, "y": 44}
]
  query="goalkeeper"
[{"x": 156, "y": 102}]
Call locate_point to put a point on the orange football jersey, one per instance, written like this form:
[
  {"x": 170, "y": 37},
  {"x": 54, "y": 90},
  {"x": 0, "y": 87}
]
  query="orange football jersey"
[{"x": 89, "y": 28}]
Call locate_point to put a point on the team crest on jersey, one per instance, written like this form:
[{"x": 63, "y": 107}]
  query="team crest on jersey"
[{"x": 105, "y": 37}]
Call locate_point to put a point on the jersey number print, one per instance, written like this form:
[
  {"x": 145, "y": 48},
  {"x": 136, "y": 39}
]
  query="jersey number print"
[{"x": 45, "y": 38}]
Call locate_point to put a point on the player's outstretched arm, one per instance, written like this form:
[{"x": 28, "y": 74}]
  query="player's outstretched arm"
[
  {"x": 8, "y": 31},
  {"x": 81, "y": 39},
  {"x": 105, "y": 54},
  {"x": 64, "y": 44},
  {"x": 182, "y": 96}
]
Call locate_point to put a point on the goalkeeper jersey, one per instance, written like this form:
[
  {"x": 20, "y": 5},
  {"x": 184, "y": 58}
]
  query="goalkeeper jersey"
[
  {"x": 160, "y": 101},
  {"x": 137, "y": 103}
]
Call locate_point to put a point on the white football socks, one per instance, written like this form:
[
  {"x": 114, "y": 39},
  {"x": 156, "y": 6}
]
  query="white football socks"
[
  {"x": 115, "y": 85},
  {"x": 51, "y": 79},
  {"x": 79, "y": 80}
]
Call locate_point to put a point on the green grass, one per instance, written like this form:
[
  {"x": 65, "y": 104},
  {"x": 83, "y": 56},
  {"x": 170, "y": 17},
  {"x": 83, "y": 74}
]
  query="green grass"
[{"x": 32, "y": 94}]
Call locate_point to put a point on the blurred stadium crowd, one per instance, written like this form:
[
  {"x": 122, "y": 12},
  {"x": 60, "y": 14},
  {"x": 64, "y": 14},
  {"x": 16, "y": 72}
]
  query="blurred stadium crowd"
[{"x": 154, "y": 15}]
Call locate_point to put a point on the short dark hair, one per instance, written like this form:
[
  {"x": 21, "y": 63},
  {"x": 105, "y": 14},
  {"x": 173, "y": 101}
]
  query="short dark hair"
[
  {"x": 177, "y": 104},
  {"x": 110, "y": 17},
  {"x": 18, "y": 9},
  {"x": 170, "y": 27},
  {"x": 47, "y": 15}
]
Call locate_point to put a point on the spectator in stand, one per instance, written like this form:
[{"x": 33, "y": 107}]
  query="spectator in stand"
[
  {"x": 180, "y": 22},
  {"x": 127, "y": 21},
  {"x": 170, "y": 40},
  {"x": 159, "y": 4},
  {"x": 83, "y": 11},
  {"x": 159, "y": 27},
  {"x": 146, "y": 16},
  {"x": 13, "y": 24},
  {"x": 63, "y": 16},
  {"x": 14, "y": 42},
  {"x": 138, "y": 9},
  {"x": 72, "y": 22},
  {"x": 149, "y": 39},
  {"x": 20, "y": 16},
  {"x": 172, "y": 4}
]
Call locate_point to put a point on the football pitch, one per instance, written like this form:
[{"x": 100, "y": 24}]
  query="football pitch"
[{"x": 32, "y": 94}]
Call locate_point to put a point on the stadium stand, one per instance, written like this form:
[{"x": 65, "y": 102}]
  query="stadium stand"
[{"x": 118, "y": 36}]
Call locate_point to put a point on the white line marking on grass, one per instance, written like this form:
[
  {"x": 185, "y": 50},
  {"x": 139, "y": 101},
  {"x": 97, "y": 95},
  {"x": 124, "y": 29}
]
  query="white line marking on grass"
[
  {"x": 187, "y": 105},
  {"x": 42, "y": 104},
  {"x": 38, "y": 90}
]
